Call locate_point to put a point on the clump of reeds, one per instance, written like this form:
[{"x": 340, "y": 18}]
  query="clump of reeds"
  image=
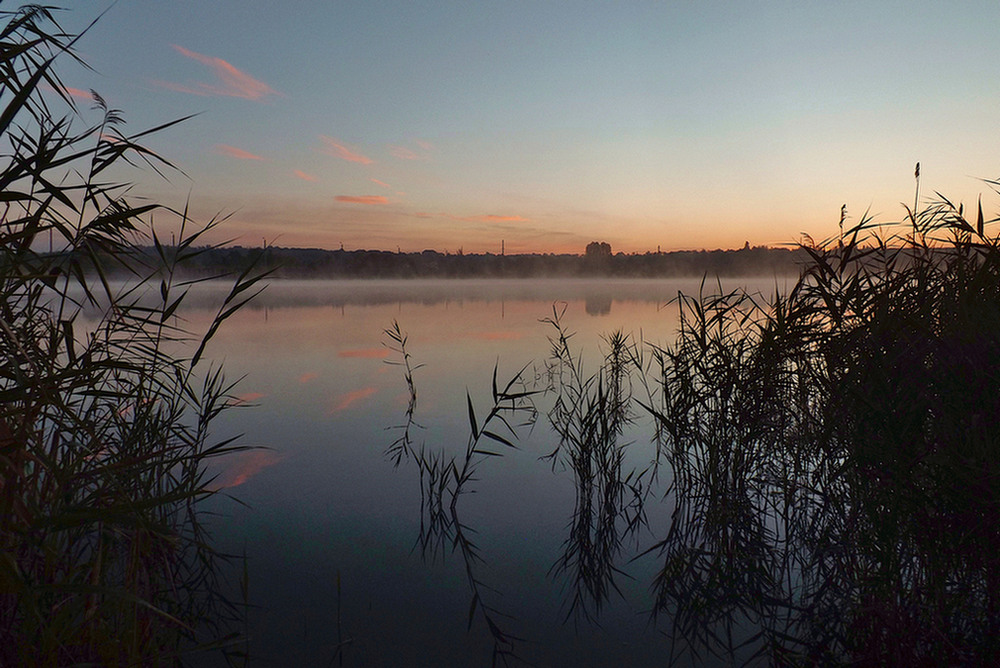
[
  {"x": 104, "y": 427},
  {"x": 834, "y": 455}
]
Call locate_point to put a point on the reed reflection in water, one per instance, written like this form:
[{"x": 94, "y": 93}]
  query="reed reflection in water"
[{"x": 334, "y": 503}]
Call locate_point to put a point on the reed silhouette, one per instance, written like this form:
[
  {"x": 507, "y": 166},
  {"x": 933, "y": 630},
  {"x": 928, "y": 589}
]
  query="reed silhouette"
[
  {"x": 445, "y": 479},
  {"x": 104, "y": 425}
]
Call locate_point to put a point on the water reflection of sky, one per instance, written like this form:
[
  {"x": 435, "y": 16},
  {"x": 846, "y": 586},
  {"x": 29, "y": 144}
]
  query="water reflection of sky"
[{"x": 324, "y": 500}]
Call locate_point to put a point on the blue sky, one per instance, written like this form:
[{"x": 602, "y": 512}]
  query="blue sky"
[{"x": 547, "y": 125}]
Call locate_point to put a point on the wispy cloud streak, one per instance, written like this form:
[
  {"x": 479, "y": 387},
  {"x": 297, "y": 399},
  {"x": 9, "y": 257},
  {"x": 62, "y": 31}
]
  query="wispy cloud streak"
[
  {"x": 333, "y": 147},
  {"x": 233, "y": 152},
  {"x": 362, "y": 199},
  {"x": 403, "y": 153},
  {"x": 232, "y": 81},
  {"x": 303, "y": 175}
]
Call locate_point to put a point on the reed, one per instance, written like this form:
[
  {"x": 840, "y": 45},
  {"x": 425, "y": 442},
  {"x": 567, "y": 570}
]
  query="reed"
[
  {"x": 445, "y": 479},
  {"x": 104, "y": 426}
]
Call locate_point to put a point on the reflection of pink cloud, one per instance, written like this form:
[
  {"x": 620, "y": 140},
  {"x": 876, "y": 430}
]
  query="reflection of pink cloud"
[
  {"x": 245, "y": 465},
  {"x": 381, "y": 183},
  {"x": 233, "y": 152},
  {"x": 82, "y": 94},
  {"x": 309, "y": 375},
  {"x": 496, "y": 336},
  {"x": 338, "y": 150},
  {"x": 233, "y": 82},
  {"x": 302, "y": 175},
  {"x": 247, "y": 398},
  {"x": 345, "y": 401},
  {"x": 362, "y": 199},
  {"x": 370, "y": 353}
]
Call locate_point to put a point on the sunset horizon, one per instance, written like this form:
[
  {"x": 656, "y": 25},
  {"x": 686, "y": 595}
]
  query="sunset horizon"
[{"x": 448, "y": 126}]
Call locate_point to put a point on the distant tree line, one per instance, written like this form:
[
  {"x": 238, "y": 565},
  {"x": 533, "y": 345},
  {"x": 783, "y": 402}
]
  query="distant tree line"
[{"x": 597, "y": 261}]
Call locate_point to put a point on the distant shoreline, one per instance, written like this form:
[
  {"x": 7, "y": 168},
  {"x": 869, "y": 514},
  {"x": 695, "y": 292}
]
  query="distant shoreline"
[{"x": 304, "y": 263}]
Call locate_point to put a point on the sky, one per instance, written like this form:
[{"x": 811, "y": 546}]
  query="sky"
[{"x": 546, "y": 125}]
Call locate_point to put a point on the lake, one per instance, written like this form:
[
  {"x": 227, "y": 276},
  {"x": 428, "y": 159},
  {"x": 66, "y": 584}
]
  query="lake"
[{"x": 332, "y": 523}]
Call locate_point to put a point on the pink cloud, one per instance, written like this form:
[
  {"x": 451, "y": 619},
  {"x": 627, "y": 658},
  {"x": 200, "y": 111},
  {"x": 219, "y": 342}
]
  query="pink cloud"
[
  {"x": 347, "y": 400},
  {"x": 362, "y": 199},
  {"x": 338, "y": 150},
  {"x": 426, "y": 145},
  {"x": 246, "y": 465},
  {"x": 232, "y": 82},
  {"x": 381, "y": 183},
  {"x": 233, "y": 152},
  {"x": 403, "y": 153},
  {"x": 370, "y": 353},
  {"x": 307, "y": 376},
  {"x": 304, "y": 176}
]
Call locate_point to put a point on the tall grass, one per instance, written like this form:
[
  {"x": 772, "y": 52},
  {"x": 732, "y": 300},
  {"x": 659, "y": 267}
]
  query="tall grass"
[{"x": 104, "y": 425}]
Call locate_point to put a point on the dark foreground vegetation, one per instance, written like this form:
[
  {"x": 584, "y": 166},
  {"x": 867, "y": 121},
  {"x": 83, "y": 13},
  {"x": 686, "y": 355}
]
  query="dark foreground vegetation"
[
  {"x": 104, "y": 424},
  {"x": 828, "y": 456}
]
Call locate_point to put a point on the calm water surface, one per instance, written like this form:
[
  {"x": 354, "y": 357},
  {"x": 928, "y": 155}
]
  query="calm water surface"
[{"x": 325, "y": 504}]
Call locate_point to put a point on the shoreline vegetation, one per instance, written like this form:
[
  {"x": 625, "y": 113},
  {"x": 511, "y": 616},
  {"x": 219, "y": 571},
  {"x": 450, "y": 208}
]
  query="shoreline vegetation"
[
  {"x": 316, "y": 263},
  {"x": 105, "y": 420}
]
